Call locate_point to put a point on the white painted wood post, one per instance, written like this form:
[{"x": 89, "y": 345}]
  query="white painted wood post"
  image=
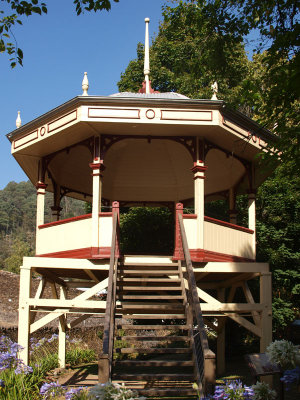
[
  {"x": 252, "y": 219},
  {"x": 40, "y": 203},
  {"x": 40, "y": 208},
  {"x": 62, "y": 335},
  {"x": 24, "y": 313},
  {"x": 266, "y": 301},
  {"x": 97, "y": 167},
  {"x": 221, "y": 337},
  {"x": 199, "y": 176}
]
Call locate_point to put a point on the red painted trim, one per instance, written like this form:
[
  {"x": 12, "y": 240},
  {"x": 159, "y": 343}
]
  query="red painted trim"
[
  {"x": 40, "y": 185},
  {"x": 189, "y": 216},
  {"x": 199, "y": 177},
  {"x": 42, "y": 131},
  {"x": 65, "y": 221},
  {"x": 86, "y": 253},
  {"x": 198, "y": 168},
  {"x": 97, "y": 165},
  {"x": 106, "y": 214},
  {"x": 114, "y": 108},
  {"x": 185, "y": 119},
  {"x": 228, "y": 225},
  {"x": 151, "y": 115},
  {"x": 42, "y": 193},
  {"x": 28, "y": 141},
  {"x": 63, "y": 116},
  {"x": 200, "y": 255}
]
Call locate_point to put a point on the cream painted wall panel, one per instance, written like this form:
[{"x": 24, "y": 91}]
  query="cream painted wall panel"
[
  {"x": 222, "y": 239},
  {"x": 67, "y": 236},
  {"x": 105, "y": 231},
  {"x": 190, "y": 226}
]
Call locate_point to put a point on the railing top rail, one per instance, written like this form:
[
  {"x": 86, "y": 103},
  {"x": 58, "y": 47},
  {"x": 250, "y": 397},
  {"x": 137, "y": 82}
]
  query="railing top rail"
[
  {"x": 110, "y": 299},
  {"x": 193, "y": 286}
]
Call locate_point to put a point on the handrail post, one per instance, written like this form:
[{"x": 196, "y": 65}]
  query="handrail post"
[
  {"x": 207, "y": 357},
  {"x": 106, "y": 358},
  {"x": 178, "y": 253}
]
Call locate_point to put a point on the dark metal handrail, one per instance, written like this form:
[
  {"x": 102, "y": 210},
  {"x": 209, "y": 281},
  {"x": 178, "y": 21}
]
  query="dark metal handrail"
[
  {"x": 198, "y": 334},
  {"x": 106, "y": 358}
]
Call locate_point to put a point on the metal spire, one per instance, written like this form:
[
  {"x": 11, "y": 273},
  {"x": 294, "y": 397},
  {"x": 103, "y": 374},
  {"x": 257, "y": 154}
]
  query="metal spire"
[{"x": 146, "y": 61}]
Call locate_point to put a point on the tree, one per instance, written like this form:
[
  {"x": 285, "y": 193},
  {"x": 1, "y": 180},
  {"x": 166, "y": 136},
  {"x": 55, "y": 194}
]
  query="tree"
[
  {"x": 193, "y": 49},
  {"x": 19, "y": 249},
  {"x": 21, "y": 8}
]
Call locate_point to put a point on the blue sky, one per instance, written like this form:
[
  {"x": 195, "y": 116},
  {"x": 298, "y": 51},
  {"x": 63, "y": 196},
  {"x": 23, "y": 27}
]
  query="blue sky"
[{"x": 58, "y": 48}]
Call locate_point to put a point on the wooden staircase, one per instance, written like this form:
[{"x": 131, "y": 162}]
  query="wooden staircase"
[
  {"x": 159, "y": 346},
  {"x": 151, "y": 302}
]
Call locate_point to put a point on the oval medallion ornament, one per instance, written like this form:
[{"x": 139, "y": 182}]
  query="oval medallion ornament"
[
  {"x": 42, "y": 131},
  {"x": 150, "y": 114}
]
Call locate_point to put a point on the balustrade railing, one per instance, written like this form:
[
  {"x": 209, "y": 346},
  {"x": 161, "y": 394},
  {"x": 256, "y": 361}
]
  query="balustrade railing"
[
  {"x": 106, "y": 357},
  {"x": 203, "y": 356}
]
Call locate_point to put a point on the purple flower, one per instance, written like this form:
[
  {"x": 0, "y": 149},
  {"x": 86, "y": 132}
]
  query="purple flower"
[
  {"x": 72, "y": 392},
  {"x": 50, "y": 390},
  {"x": 290, "y": 376}
]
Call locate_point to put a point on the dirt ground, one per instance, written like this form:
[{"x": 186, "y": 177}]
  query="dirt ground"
[{"x": 236, "y": 368}]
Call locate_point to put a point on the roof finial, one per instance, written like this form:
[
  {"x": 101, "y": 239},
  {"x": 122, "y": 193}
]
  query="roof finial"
[
  {"x": 146, "y": 61},
  {"x": 18, "y": 120},
  {"x": 85, "y": 85},
  {"x": 214, "y": 88}
]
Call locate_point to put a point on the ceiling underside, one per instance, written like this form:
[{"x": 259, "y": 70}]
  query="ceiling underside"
[{"x": 144, "y": 171}]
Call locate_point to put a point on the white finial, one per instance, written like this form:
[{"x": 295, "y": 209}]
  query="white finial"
[
  {"x": 146, "y": 61},
  {"x": 18, "y": 120},
  {"x": 85, "y": 85},
  {"x": 214, "y": 88}
]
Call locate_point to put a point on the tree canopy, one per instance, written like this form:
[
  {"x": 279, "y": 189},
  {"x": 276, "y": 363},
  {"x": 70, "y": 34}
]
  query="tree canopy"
[
  {"x": 193, "y": 49},
  {"x": 202, "y": 41},
  {"x": 20, "y": 8}
]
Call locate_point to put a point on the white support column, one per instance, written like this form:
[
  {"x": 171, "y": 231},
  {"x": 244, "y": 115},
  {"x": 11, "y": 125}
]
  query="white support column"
[
  {"x": 266, "y": 318},
  {"x": 97, "y": 167},
  {"x": 62, "y": 335},
  {"x": 40, "y": 203},
  {"x": 221, "y": 337},
  {"x": 199, "y": 171},
  {"x": 252, "y": 218},
  {"x": 24, "y": 313}
]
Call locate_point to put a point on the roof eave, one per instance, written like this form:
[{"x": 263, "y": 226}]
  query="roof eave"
[{"x": 83, "y": 100}]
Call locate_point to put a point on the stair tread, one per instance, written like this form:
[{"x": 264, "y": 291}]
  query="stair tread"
[
  {"x": 154, "y": 338},
  {"x": 153, "y": 316},
  {"x": 154, "y": 363},
  {"x": 164, "y": 392},
  {"x": 150, "y": 264},
  {"x": 149, "y": 288},
  {"x": 143, "y": 272},
  {"x": 158, "y": 350},
  {"x": 152, "y": 327},
  {"x": 171, "y": 280},
  {"x": 159, "y": 377},
  {"x": 153, "y": 297},
  {"x": 150, "y": 305}
]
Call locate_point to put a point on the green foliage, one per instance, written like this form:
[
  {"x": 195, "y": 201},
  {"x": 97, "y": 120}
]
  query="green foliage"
[
  {"x": 77, "y": 355},
  {"x": 147, "y": 230},
  {"x": 110, "y": 391},
  {"x": 18, "y": 250},
  {"x": 193, "y": 48},
  {"x": 18, "y": 219}
]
